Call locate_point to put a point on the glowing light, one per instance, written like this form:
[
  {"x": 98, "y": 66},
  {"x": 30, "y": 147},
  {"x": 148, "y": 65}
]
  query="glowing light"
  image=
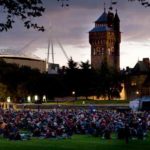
[
  {"x": 137, "y": 92},
  {"x": 29, "y": 99},
  {"x": 73, "y": 92},
  {"x": 44, "y": 98},
  {"x": 8, "y": 99},
  {"x": 36, "y": 97}
]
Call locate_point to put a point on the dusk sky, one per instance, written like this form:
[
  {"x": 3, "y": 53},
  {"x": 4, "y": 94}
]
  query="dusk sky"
[{"x": 71, "y": 25}]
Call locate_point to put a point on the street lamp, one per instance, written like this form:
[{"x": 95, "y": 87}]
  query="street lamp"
[
  {"x": 36, "y": 98},
  {"x": 44, "y": 98},
  {"x": 29, "y": 99},
  {"x": 74, "y": 96},
  {"x": 137, "y": 93},
  {"x": 73, "y": 92},
  {"x": 8, "y": 99}
]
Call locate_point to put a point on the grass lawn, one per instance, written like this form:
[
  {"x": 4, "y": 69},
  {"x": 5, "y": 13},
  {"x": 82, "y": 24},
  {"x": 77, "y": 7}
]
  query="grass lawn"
[
  {"x": 77, "y": 142},
  {"x": 80, "y": 102},
  {"x": 102, "y": 102}
]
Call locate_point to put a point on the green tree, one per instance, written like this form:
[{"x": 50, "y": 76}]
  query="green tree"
[
  {"x": 3, "y": 92},
  {"x": 72, "y": 65},
  {"x": 25, "y": 10},
  {"x": 108, "y": 82},
  {"x": 85, "y": 65},
  {"x": 72, "y": 76},
  {"x": 86, "y": 79}
]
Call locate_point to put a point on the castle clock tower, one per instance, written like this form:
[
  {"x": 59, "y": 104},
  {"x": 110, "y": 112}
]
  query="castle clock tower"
[{"x": 105, "y": 40}]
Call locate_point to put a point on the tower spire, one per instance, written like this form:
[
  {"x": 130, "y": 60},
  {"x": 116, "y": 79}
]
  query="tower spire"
[
  {"x": 116, "y": 16},
  {"x": 116, "y": 11},
  {"x": 104, "y": 7}
]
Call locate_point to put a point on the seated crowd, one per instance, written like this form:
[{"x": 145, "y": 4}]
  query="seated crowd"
[{"x": 64, "y": 123}]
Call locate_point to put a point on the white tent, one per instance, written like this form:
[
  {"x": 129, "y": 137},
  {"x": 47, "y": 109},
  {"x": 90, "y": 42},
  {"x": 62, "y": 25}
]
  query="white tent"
[
  {"x": 142, "y": 103},
  {"x": 134, "y": 104}
]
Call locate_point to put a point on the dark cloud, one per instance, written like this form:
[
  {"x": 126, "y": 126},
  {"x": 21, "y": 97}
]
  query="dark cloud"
[{"x": 71, "y": 25}]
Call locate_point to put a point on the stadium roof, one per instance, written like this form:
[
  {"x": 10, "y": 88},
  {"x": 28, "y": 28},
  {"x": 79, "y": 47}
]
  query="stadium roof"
[
  {"x": 17, "y": 54},
  {"x": 20, "y": 57}
]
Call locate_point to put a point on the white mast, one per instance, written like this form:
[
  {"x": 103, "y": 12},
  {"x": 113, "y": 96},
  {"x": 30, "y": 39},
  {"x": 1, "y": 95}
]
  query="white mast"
[
  {"x": 47, "y": 61},
  {"x": 52, "y": 52}
]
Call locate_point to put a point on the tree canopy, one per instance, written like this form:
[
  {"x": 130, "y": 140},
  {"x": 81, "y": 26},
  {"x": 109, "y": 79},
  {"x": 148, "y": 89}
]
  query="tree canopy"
[{"x": 25, "y": 10}]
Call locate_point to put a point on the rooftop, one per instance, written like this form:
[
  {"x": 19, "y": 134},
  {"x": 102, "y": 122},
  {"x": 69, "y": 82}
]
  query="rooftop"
[
  {"x": 102, "y": 18},
  {"x": 101, "y": 29}
]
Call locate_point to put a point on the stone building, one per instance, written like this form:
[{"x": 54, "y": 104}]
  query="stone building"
[
  {"x": 137, "y": 79},
  {"x": 105, "y": 40}
]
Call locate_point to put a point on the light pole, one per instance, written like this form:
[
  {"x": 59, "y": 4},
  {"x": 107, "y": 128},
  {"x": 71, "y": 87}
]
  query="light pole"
[
  {"x": 44, "y": 98},
  {"x": 137, "y": 93},
  {"x": 8, "y": 102},
  {"x": 29, "y": 99},
  {"x": 36, "y": 98},
  {"x": 8, "y": 99},
  {"x": 74, "y": 96}
]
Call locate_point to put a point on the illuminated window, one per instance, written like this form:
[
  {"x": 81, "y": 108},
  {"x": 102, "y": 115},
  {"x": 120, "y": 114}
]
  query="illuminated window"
[
  {"x": 97, "y": 51},
  {"x": 109, "y": 51},
  {"x": 102, "y": 51},
  {"x": 133, "y": 83},
  {"x": 94, "y": 51}
]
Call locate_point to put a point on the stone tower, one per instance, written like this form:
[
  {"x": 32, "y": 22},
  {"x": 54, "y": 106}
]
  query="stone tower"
[{"x": 105, "y": 40}]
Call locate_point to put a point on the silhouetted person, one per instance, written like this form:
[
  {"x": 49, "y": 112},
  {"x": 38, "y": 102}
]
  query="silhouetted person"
[
  {"x": 107, "y": 133},
  {"x": 127, "y": 133},
  {"x": 140, "y": 134}
]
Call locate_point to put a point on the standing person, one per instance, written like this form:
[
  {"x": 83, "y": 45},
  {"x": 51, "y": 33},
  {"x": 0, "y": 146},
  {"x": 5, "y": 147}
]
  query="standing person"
[{"x": 127, "y": 133}]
